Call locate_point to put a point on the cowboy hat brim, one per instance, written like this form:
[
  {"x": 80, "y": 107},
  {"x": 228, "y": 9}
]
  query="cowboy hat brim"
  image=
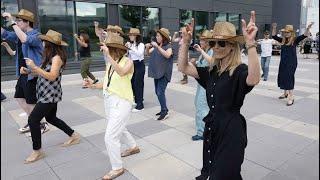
[
  {"x": 115, "y": 45},
  {"x": 47, "y": 38},
  {"x": 164, "y": 34},
  {"x": 239, "y": 39},
  {"x": 285, "y": 30},
  {"x": 23, "y": 17}
]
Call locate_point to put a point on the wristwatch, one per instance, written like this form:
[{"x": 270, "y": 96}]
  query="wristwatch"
[{"x": 251, "y": 45}]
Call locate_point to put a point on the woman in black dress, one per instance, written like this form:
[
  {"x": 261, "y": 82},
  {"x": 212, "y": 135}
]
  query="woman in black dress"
[
  {"x": 227, "y": 82},
  {"x": 288, "y": 60}
]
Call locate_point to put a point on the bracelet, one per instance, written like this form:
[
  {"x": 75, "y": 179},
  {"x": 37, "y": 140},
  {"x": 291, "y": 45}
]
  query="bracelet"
[
  {"x": 251, "y": 45},
  {"x": 11, "y": 23}
]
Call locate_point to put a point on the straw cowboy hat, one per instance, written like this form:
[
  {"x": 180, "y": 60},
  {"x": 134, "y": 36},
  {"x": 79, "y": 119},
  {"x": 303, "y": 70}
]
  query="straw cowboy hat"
[
  {"x": 25, "y": 14},
  {"x": 115, "y": 28},
  {"x": 114, "y": 40},
  {"x": 54, "y": 37},
  {"x": 226, "y": 31},
  {"x": 134, "y": 32},
  {"x": 288, "y": 28},
  {"x": 206, "y": 35},
  {"x": 165, "y": 32}
]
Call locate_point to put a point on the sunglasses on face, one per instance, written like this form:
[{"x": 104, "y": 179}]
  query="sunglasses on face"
[{"x": 220, "y": 43}]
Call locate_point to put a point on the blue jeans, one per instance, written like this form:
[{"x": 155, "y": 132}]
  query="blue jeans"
[
  {"x": 202, "y": 109},
  {"x": 265, "y": 61},
  {"x": 160, "y": 86}
]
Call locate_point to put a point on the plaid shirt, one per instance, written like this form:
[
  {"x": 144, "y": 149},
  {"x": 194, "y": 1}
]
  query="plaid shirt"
[{"x": 49, "y": 91}]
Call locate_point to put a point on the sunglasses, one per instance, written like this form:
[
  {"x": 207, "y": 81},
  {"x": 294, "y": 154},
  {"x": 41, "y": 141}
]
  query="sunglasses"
[{"x": 220, "y": 43}]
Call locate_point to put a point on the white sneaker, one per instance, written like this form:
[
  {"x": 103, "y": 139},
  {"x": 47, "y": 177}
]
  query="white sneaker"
[
  {"x": 44, "y": 128},
  {"x": 137, "y": 110}
]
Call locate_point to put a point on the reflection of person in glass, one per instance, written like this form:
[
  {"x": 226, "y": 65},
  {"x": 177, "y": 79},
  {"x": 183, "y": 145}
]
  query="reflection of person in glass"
[
  {"x": 118, "y": 99},
  {"x": 136, "y": 54},
  {"x": 85, "y": 56},
  {"x": 227, "y": 82},
  {"x": 200, "y": 101},
  {"x": 28, "y": 45},
  {"x": 160, "y": 67},
  {"x": 288, "y": 60}
]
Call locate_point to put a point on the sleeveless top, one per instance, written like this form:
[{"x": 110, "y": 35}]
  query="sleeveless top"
[
  {"x": 160, "y": 66},
  {"x": 49, "y": 91},
  {"x": 120, "y": 86}
]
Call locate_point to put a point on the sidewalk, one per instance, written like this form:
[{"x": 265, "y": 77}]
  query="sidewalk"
[{"x": 283, "y": 142}]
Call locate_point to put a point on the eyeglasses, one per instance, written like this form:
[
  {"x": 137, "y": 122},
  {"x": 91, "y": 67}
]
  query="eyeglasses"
[{"x": 220, "y": 43}]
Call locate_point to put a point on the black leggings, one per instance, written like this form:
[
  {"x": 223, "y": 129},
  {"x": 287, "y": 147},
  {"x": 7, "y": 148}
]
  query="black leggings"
[{"x": 49, "y": 111}]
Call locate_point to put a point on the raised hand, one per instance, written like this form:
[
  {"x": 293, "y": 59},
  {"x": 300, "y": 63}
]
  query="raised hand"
[
  {"x": 105, "y": 49},
  {"x": 309, "y": 25},
  {"x": 7, "y": 15},
  {"x": 274, "y": 25},
  {"x": 250, "y": 30},
  {"x": 197, "y": 47},
  {"x": 187, "y": 32},
  {"x": 96, "y": 23},
  {"x": 154, "y": 44},
  {"x": 30, "y": 63}
]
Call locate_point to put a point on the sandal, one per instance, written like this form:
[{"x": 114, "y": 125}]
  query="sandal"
[
  {"x": 74, "y": 139},
  {"x": 290, "y": 102},
  {"x": 113, "y": 174},
  {"x": 283, "y": 96},
  {"x": 130, "y": 152},
  {"x": 35, "y": 156}
]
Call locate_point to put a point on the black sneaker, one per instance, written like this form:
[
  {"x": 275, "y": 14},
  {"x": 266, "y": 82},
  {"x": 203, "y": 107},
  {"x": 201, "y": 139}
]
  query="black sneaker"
[
  {"x": 3, "y": 97},
  {"x": 163, "y": 116},
  {"x": 158, "y": 114},
  {"x": 95, "y": 81},
  {"x": 196, "y": 138}
]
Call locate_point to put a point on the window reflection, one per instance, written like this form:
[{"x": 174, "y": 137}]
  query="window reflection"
[
  {"x": 86, "y": 14},
  {"x": 185, "y": 17},
  {"x": 59, "y": 16},
  {"x": 235, "y": 20},
  {"x": 220, "y": 17},
  {"x": 144, "y": 18},
  {"x": 150, "y": 24},
  {"x": 10, "y": 6},
  {"x": 201, "y": 22}
]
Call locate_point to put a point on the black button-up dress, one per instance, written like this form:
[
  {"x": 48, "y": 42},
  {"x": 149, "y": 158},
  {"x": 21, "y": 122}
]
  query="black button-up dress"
[
  {"x": 225, "y": 135},
  {"x": 288, "y": 63}
]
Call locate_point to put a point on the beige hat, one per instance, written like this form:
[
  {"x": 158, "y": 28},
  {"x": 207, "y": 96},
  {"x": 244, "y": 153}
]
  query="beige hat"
[
  {"x": 226, "y": 31},
  {"x": 165, "y": 32},
  {"x": 288, "y": 28},
  {"x": 25, "y": 14},
  {"x": 134, "y": 31},
  {"x": 109, "y": 27},
  {"x": 54, "y": 37},
  {"x": 115, "y": 40},
  {"x": 206, "y": 35}
]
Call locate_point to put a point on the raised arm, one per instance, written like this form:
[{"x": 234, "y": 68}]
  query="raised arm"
[
  {"x": 206, "y": 56},
  {"x": 274, "y": 33},
  {"x": 166, "y": 53},
  {"x": 122, "y": 71},
  {"x": 249, "y": 33},
  {"x": 149, "y": 49},
  {"x": 183, "y": 65},
  {"x": 81, "y": 43}
]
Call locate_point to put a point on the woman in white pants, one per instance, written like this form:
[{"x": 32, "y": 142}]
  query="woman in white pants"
[{"x": 118, "y": 99}]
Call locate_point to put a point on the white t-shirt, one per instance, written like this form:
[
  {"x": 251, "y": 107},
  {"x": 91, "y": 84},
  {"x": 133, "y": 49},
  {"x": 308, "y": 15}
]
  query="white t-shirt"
[
  {"x": 136, "y": 52},
  {"x": 266, "y": 47}
]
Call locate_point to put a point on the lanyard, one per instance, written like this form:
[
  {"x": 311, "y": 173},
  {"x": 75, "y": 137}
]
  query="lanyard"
[{"x": 111, "y": 73}]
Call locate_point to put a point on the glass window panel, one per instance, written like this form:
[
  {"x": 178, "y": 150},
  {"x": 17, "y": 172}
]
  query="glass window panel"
[
  {"x": 185, "y": 17},
  {"x": 59, "y": 16},
  {"x": 235, "y": 20},
  {"x": 130, "y": 16},
  {"x": 150, "y": 22},
  {"x": 220, "y": 16},
  {"x": 86, "y": 14},
  {"x": 10, "y": 6},
  {"x": 201, "y": 22}
]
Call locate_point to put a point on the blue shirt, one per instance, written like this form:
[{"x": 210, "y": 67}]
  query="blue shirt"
[
  {"x": 202, "y": 62},
  {"x": 31, "y": 49}
]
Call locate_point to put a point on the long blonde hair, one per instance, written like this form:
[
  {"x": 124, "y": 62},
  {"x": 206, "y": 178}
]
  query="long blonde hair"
[
  {"x": 234, "y": 61},
  {"x": 291, "y": 40}
]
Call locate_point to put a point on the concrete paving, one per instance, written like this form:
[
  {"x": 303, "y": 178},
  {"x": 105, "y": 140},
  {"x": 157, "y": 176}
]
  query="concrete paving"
[{"x": 283, "y": 142}]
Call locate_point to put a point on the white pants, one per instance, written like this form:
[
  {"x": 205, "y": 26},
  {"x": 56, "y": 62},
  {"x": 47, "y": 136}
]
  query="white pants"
[{"x": 117, "y": 114}]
